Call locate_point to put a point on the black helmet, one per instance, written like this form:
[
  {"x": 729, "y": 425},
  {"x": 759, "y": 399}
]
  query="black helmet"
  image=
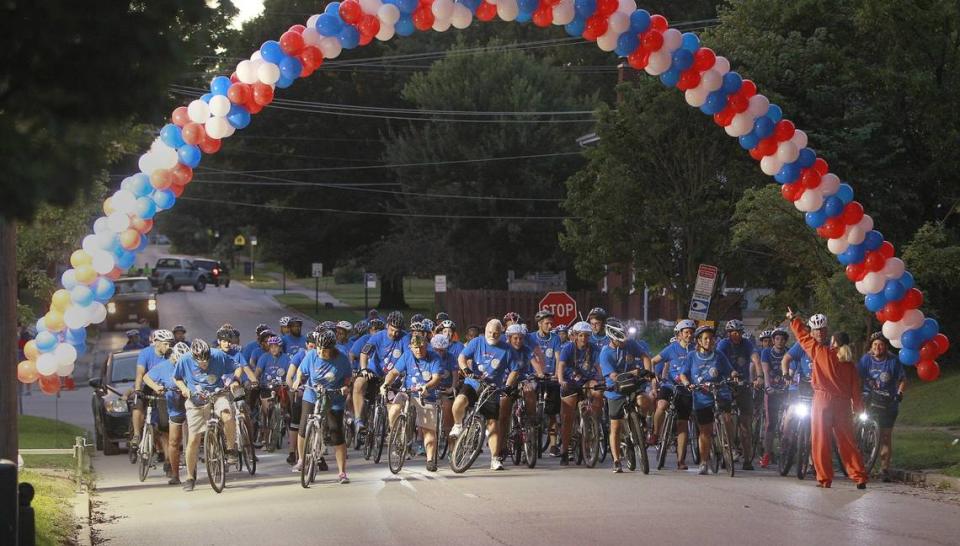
[
  {"x": 328, "y": 340},
  {"x": 441, "y": 316},
  {"x": 702, "y": 330},
  {"x": 417, "y": 328},
  {"x": 313, "y": 337},
  {"x": 418, "y": 317},
  {"x": 200, "y": 350},
  {"x": 265, "y": 335},
  {"x": 295, "y": 320},
  {"x": 542, "y": 314},
  {"x": 598, "y": 313},
  {"x": 615, "y": 330},
  {"x": 361, "y": 327},
  {"x": 377, "y": 324},
  {"x": 395, "y": 319},
  {"x": 225, "y": 334},
  {"x": 327, "y": 325},
  {"x": 180, "y": 328},
  {"x": 260, "y": 328}
]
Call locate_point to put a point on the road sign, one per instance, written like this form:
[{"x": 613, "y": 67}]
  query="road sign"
[
  {"x": 317, "y": 270},
  {"x": 371, "y": 280},
  {"x": 439, "y": 283},
  {"x": 698, "y": 309},
  {"x": 562, "y": 305},
  {"x": 253, "y": 241},
  {"x": 239, "y": 241},
  {"x": 703, "y": 292}
]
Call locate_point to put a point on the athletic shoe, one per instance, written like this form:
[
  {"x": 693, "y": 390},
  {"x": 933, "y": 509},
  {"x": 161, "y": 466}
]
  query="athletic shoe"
[
  {"x": 175, "y": 480},
  {"x": 554, "y": 451},
  {"x": 886, "y": 476},
  {"x": 617, "y": 467},
  {"x": 188, "y": 485},
  {"x": 343, "y": 478},
  {"x": 652, "y": 439},
  {"x": 292, "y": 458},
  {"x": 564, "y": 459},
  {"x": 232, "y": 459},
  {"x": 703, "y": 469},
  {"x": 862, "y": 485},
  {"x": 455, "y": 431},
  {"x": 495, "y": 464},
  {"x": 322, "y": 465},
  {"x": 297, "y": 467},
  {"x": 765, "y": 460},
  {"x": 431, "y": 466},
  {"x": 134, "y": 442}
]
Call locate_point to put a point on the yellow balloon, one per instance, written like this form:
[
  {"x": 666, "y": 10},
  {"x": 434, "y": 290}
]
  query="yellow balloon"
[
  {"x": 54, "y": 320},
  {"x": 80, "y": 257},
  {"x": 60, "y": 300},
  {"x": 85, "y": 274},
  {"x": 30, "y": 350}
]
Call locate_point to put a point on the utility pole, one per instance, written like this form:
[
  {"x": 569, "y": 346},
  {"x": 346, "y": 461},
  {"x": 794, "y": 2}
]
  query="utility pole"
[{"x": 8, "y": 341}]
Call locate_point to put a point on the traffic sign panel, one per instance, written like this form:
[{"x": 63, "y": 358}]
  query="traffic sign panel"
[
  {"x": 562, "y": 305},
  {"x": 317, "y": 270}
]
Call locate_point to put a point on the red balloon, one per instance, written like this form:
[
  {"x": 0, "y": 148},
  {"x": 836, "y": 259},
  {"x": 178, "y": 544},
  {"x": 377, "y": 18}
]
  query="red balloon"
[
  {"x": 262, "y": 93},
  {"x": 486, "y": 11},
  {"x": 210, "y": 145},
  {"x": 852, "y": 213},
  {"x": 833, "y": 228},
  {"x": 193, "y": 133},
  {"x": 928, "y": 351},
  {"x": 543, "y": 17},
  {"x": 659, "y": 23},
  {"x": 253, "y": 107},
  {"x": 886, "y": 250},
  {"x": 182, "y": 175},
  {"x": 180, "y": 116},
  {"x": 292, "y": 42},
  {"x": 927, "y": 370},
  {"x": 791, "y": 192},
  {"x": 596, "y": 27},
  {"x": 350, "y": 11},
  {"x": 311, "y": 57},
  {"x": 234, "y": 78},
  {"x": 756, "y": 154},
  {"x": 50, "y": 384},
  {"x": 893, "y": 310},
  {"x": 820, "y": 165},
  {"x": 639, "y": 58},
  {"x": 784, "y": 130},
  {"x": 688, "y": 79},
  {"x": 767, "y": 146},
  {"x": 177, "y": 190},
  {"x": 912, "y": 299},
  {"x": 238, "y": 93},
  {"x": 855, "y": 272},
  {"x": 704, "y": 59},
  {"x": 748, "y": 89},
  {"x": 606, "y": 7},
  {"x": 724, "y": 117},
  {"x": 369, "y": 25},
  {"x": 422, "y": 17},
  {"x": 738, "y": 103},
  {"x": 881, "y": 316},
  {"x": 365, "y": 39},
  {"x": 810, "y": 178},
  {"x": 115, "y": 274},
  {"x": 142, "y": 226},
  {"x": 297, "y": 28},
  {"x": 874, "y": 261},
  {"x": 943, "y": 343},
  {"x": 651, "y": 39},
  {"x": 161, "y": 179}
]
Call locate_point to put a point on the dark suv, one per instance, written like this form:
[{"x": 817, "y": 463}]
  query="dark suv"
[
  {"x": 217, "y": 272},
  {"x": 111, "y": 412},
  {"x": 133, "y": 300}
]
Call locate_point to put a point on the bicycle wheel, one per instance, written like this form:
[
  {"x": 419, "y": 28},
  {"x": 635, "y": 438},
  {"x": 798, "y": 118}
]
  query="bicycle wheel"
[
  {"x": 590, "y": 441},
  {"x": 530, "y": 448},
  {"x": 803, "y": 451},
  {"x": 272, "y": 429},
  {"x": 626, "y": 450},
  {"x": 727, "y": 448},
  {"x": 247, "y": 452},
  {"x": 144, "y": 454},
  {"x": 367, "y": 438},
  {"x": 868, "y": 440},
  {"x": 348, "y": 433},
  {"x": 397, "y": 444},
  {"x": 308, "y": 468},
  {"x": 693, "y": 439},
  {"x": 379, "y": 431},
  {"x": 788, "y": 450},
  {"x": 215, "y": 456},
  {"x": 666, "y": 439},
  {"x": 716, "y": 450},
  {"x": 640, "y": 446},
  {"x": 442, "y": 440},
  {"x": 467, "y": 448},
  {"x": 759, "y": 424}
]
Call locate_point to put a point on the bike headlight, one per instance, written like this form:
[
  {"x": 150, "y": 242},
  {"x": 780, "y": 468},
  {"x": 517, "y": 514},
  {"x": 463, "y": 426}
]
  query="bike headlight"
[
  {"x": 151, "y": 305},
  {"x": 118, "y": 405},
  {"x": 111, "y": 308},
  {"x": 864, "y": 416},
  {"x": 801, "y": 410}
]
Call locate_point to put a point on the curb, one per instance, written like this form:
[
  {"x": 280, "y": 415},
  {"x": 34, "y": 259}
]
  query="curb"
[
  {"x": 82, "y": 507},
  {"x": 924, "y": 479}
]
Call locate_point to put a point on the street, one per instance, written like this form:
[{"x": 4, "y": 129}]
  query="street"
[{"x": 549, "y": 504}]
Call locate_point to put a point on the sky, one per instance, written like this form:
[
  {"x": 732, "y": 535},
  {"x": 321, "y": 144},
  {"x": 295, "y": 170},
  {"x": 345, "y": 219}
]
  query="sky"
[{"x": 248, "y": 10}]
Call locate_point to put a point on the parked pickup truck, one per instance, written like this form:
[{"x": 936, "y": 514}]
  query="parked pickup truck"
[{"x": 171, "y": 273}]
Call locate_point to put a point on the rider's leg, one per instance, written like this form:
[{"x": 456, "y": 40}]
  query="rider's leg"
[
  {"x": 447, "y": 405},
  {"x": 659, "y": 414},
  {"x": 359, "y": 388},
  {"x": 305, "y": 412},
  {"x": 429, "y": 440},
  {"x": 197, "y": 424},
  {"x": 886, "y": 448},
  {"x": 173, "y": 448},
  {"x": 335, "y": 428},
  {"x": 493, "y": 430},
  {"x": 615, "y": 425},
  {"x": 568, "y": 408},
  {"x": 503, "y": 424},
  {"x": 138, "y": 419},
  {"x": 460, "y": 408},
  {"x": 706, "y": 436}
]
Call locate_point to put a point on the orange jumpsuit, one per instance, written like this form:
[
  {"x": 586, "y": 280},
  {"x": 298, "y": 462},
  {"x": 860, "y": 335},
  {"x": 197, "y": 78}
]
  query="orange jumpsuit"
[{"x": 836, "y": 386}]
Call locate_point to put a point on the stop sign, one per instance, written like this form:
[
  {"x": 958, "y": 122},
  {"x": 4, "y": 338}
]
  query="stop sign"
[{"x": 562, "y": 305}]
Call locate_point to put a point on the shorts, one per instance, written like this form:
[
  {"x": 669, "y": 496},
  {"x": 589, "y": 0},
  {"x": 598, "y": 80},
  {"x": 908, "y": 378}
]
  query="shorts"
[
  {"x": 571, "y": 389},
  {"x": 140, "y": 402},
  {"x": 683, "y": 403},
  {"x": 197, "y": 417},
  {"x": 616, "y": 407},
  {"x": 296, "y": 405},
  {"x": 334, "y": 423},
  {"x": 744, "y": 398},
  {"x": 705, "y": 415},
  {"x": 887, "y": 418},
  {"x": 426, "y": 414},
  {"x": 552, "y": 406},
  {"x": 490, "y": 410},
  {"x": 372, "y": 388}
]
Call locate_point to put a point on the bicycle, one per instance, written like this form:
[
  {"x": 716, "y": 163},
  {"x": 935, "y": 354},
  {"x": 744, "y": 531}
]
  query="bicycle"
[
  {"x": 470, "y": 442},
  {"x": 443, "y": 443},
  {"x": 668, "y": 432},
  {"x": 542, "y": 420},
  {"x": 795, "y": 440},
  {"x": 244, "y": 439},
  {"x": 523, "y": 441},
  {"x": 867, "y": 431},
  {"x": 214, "y": 441},
  {"x": 314, "y": 437},
  {"x": 402, "y": 433},
  {"x": 147, "y": 452},
  {"x": 272, "y": 424},
  {"x": 721, "y": 444},
  {"x": 633, "y": 441},
  {"x": 585, "y": 437},
  {"x": 374, "y": 436},
  {"x": 759, "y": 424}
]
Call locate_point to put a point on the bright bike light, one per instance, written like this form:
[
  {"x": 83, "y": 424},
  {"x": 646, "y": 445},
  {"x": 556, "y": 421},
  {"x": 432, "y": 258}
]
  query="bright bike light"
[
  {"x": 111, "y": 308},
  {"x": 801, "y": 410},
  {"x": 151, "y": 305},
  {"x": 118, "y": 405},
  {"x": 864, "y": 416}
]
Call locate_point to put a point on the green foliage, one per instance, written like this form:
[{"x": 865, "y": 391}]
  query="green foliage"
[
  {"x": 52, "y": 509},
  {"x": 933, "y": 256},
  {"x": 926, "y": 450},
  {"x": 39, "y": 432},
  {"x": 932, "y": 404}
]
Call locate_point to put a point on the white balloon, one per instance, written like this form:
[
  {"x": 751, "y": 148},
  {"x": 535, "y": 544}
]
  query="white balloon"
[
  {"x": 741, "y": 125},
  {"x": 837, "y": 246},
  {"x": 462, "y": 17},
  {"x": 46, "y": 364},
  {"x": 386, "y": 32},
  {"x": 564, "y": 12},
  {"x": 508, "y": 10},
  {"x": 758, "y": 105},
  {"x": 722, "y": 65},
  {"x": 247, "y": 71},
  {"x": 219, "y": 105},
  {"x": 893, "y": 330},
  {"x": 124, "y": 201},
  {"x": 866, "y": 223},
  {"x": 74, "y": 317},
  {"x": 442, "y": 25},
  {"x": 312, "y": 22},
  {"x": 442, "y": 9},
  {"x": 861, "y": 288},
  {"x": 627, "y": 7},
  {"x": 330, "y": 47},
  {"x": 696, "y": 97},
  {"x": 896, "y": 343},
  {"x": 912, "y": 319},
  {"x": 105, "y": 240},
  {"x": 147, "y": 163},
  {"x": 97, "y": 313},
  {"x": 494, "y": 2},
  {"x": 100, "y": 225},
  {"x": 800, "y": 139},
  {"x": 672, "y": 38},
  {"x": 371, "y": 6},
  {"x": 390, "y": 14},
  {"x": 659, "y": 62},
  {"x": 65, "y": 353},
  {"x": 787, "y": 152},
  {"x": 770, "y": 165},
  {"x": 874, "y": 282},
  {"x": 711, "y": 80},
  {"x": 230, "y": 130},
  {"x": 118, "y": 221},
  {"x": 164, "y": 156},
  {"x": 810, "y": 201},
  {"x": 66, "y": 370},
  {"x": 103, "y": 262},
  {"x": 216, "y": 127},
  {"x": 89, "y": 244},
  {"x": 256, "y": 56},
  {"x": 608, "y": 40},
  {"x": 829, "y": 184},
  {"x": 894, "y": 268},
  {"x": 619, "y": 22},
  {"x": 268, "y": 73},
  {"x": 310, "y": 37},
  {"x": 855, "y": 235},
  {"x": 198, "y": 111}
]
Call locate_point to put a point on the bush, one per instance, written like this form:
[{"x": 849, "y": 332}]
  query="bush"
[{"x": 348, "y": 273}]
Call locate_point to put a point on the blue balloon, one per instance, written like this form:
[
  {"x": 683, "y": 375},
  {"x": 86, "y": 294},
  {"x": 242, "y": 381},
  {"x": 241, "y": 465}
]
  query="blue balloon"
[
  {"x": 716, "y": 101},
  {"x": 872, "y": 240},
  {"x": 69, "y": 279},
  {"x": 45, "y": 341},
  {"x": 329, "y": 25},
  {"x": 206, "y": 97},
  {"x": 284, "y": 82},
  {"x": 845, "y": 193},
  {"x": 854, "y": 254},
  {"x": 472, "y": 5},
  {"x": 103, "y": 288},
  {"x": 41, "y": 326},
  {"x": 894, "y": 290},
  {"x": 271, "y": 52},
  {"x": 81, "y": 348},
  {"x": 407, "y": 7},
  {"x": 349, "y": 36},
  {"x": 670, "y": 77},
  {"x": 189, "y": 155},
  {"x": 731, "y": 82},
  {"x": 910, "y": 357},
  {"x": 832, "y": 206},
  {"x": 749, "y": 141},
  {"x": 76, "y": 336},
  {"x": 775, "y": 113},
  {"x": 929, "y": 329},
  {"x": 627, "y": 43},
  {"x": 404, "y": 26},
  {"x": 874, "y": 302},
  {"x": 763, "y": 127},
  {"x": 164, "y": 199},
  {"x": 787, "y": 174},
  {"x": 524, "y": 16},
  {"x": 170, "y": 135},
  {"x": 807, "y": 158},
  {"x": 682, "y": 60},
  {"x": 585, "y": 8},
  {"x": 144, "y": 242},
  {"x": 912, "y": 339},
  {"x": 290, "y": 67},
  {"x": 238, "y": 116},
  {"x": 145, "y": 208},
  {"x": 816, "y": 218},
  {"x": 575, "y": 27},
  {"x": 691, "y": 42},
  {"x": 140, "y": 185},
  {"x": 527, "y": 5},
  {"x": 126, "y": 260},
  {"x": 81, "y": 295},
  {"x": 333, "y": 8},
  {"x": 220, "y": 84},
  {"x": 907, "y": 280},
  {"x": 639, "y": 21}
]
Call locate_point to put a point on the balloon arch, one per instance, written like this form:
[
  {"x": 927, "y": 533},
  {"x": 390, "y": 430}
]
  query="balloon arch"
[{"x": 647, "y": 42}]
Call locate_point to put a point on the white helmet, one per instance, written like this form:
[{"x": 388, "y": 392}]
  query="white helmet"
[
  {"x": 817, "y": 321},
  {"x": 684, "y": 324},
  {"x": 440, "y": 341},
  {"x": 515, "y": 329},
  {"x": 582, "y": 326},
  {"x": 179, "y": 350},
  {"x": 163, "y": 336},
  {"x": 345, "y": 325}
]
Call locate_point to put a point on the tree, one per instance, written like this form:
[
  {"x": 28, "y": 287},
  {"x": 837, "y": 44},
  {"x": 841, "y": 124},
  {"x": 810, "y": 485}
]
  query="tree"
[{"x": 934, "y": 258}]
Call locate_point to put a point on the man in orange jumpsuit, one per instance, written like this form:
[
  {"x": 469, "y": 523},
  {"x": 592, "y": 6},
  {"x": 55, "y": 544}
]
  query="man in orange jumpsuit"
[{"x": 836, "y": 387}]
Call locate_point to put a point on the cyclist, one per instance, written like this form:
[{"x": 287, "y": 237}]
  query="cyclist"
[
  {"x": 294, "y": 340},
  {"x": 706, "y": 365},
  {"x": 529, "y": 366},
  {"x": 797, "y": 368},
  {"x": 328, "y": 368},
  {"x": 342, "y": 331},
  {"x": 549, "y": 344},
  {"x": 248, "y": 349},
  {"x": 745, "y": 359},
  {"x": 272, "y": 366},
  {"x": 561, "y": 332},
  {"x": 133, "y": 341},
  {"x": 296, "y": 396},
  {"x": 614, "y": 363},
  {"x": 378, "y": 356},
  {"x": 171, "y": 410},
  {"x": 374, "y": 326},
  {"x": 146, "y": 360},
  {"x": 672, "y": 355},
  {"x": 597, "y": 318},
  {"x": 449, "y": 328},
  {"x": 881, "y": 370},
  {"x": 421, "y": 370},
  {"x": 440, "y": 344},
  {"x": 202, "y": 370},
  {"x": 227, "y": 339},
  {"x": 360, "y": 329},
  {"x": 511, "y": 317},
  {"x": 180, "y": 334},
  {"x": 766, "y": 339},
  {"x": 671, "y": 386},
  {"x": 473, "y": 332},
  {"x": 577, "y": 370},
  {"x": 485, "y": 359},
  {"x": 284, "y": 325},
  {"x": 770, "y": 360},
  {"x": 428, "y": 327}
]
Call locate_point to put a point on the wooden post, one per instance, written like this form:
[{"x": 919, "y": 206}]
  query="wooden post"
[{"x": 8, "y": 341}]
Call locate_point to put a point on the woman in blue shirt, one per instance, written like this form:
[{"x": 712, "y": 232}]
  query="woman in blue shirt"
[
  {"x": 672, "y": 356},
  {"x": 421, "y": 372},
  {"x": 449, "y": 377},
  {"x": 881, "y": 371},
  {"x": 771, "y": 359},
  {"x": 577, "y": 369}
]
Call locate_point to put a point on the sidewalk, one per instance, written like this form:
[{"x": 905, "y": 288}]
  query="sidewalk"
[{"x": 296, "y": 288}]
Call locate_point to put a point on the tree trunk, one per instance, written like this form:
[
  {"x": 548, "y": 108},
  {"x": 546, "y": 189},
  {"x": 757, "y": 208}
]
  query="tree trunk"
[
  {"x": 391, "y": 293},
  {"x": 8, "y": 341}
]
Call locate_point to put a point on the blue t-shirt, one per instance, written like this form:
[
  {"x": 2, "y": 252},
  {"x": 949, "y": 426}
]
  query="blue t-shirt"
[
  {"x": 799, "y": 358},
  {"x": 448, "y": 367},
  {"x": 292, "y": 343},
  {"x": 615, "y": 361},
  {"x": 492, "y": 362},
  {"x": 600, "y": 340},
  {"x": 523, "y": 356},
  {"x": 330, "y": 374},
  {"x": 739, "y": 354},
  {"x": 163, "y": 374},
  {"x": 131, "y": 346},
  {"x": 247, "y": 350},
  {"x": 550, "y": 346},
  {"x": 383, "y": 352},
  {"x": 455, "y": 349},
  {"x": 774, "y": 359},
  {"x": 417, "y": 372},
  {"x": 344, "y": 349},
  {"x": 672, "y": 355},
  {"x": 882, "y": 375},
  {"x": 271, "y": 367},
  {"x": 148, "y": 358},
  {"x": 209, "y": 379},
  {"x": 355, "y": 349},
  {"x": 707, "y": 368},
  {"x": 579, "y": 363},
  {"x": 254, "y": 356}
]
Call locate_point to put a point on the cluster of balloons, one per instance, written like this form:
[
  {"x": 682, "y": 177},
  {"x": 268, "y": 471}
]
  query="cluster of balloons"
[{"x": 646, "y": 41}]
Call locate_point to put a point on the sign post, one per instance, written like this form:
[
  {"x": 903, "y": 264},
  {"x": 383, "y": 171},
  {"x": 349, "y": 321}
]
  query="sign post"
[
  {"x": 369, "y": 281},
  {"x": 562, "y": 305},
  {"x": 316, "y": 273},
  {"x": 253, "y": 263},
  {"x": 703, "y": 292}
]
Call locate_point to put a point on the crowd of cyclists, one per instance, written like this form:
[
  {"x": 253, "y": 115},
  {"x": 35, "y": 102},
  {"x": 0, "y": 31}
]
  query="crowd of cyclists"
[{"x": 591, "y": 390}]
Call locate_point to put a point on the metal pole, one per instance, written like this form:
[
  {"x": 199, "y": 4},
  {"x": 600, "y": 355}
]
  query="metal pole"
[
  {"x": 284, "y": 279},
  {"x": 646, "y": 302},
  {"x": 316, "y": 297},
  {"x": 366, "y": 304},
  {"x": 251, "y": 260}
]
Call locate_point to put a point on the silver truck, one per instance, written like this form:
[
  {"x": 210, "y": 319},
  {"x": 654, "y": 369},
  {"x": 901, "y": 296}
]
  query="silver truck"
[{"x": 171, "y": 273}]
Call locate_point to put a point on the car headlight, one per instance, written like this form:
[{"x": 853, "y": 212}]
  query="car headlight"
[
  {"x": 151, "y": 305},
  {"x": 117, "y": 405},
  {"x": 801, "y": 410},
  {"x": 111, "y": 307},
  {"x": 864, "y": 416}
]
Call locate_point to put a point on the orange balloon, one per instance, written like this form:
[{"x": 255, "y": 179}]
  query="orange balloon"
[
  {"x": 130, "y": 239},
  {"x": 27, "y": 371},
  {"x": 60, "y": 300},
  {"x": 142, "y": 226},
  {"x": 80, "y": 257},
  {"x": 54, "y": 320},
  {"x": 182, "y": 174},
  {"x": 115, "y": 274},
  {"x": 30, "y": 350},
  {"x": 177, "y": 190},
  {"x": 85, "y": 274},
  {"x": 50, "y": 384},
  {"x": 108, "y": 206},
  {"x": 161, "y": 179}
]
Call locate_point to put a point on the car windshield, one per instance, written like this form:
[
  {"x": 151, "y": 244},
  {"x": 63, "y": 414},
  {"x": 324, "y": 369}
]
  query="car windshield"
[
  {"x": 123, "y": 368},
  {"x": 206, "y": 264},
  {"x": 132, "y": 286}
]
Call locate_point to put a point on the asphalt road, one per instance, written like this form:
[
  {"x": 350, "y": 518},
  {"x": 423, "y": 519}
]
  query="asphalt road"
[{"x": 546, "y": 505}]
